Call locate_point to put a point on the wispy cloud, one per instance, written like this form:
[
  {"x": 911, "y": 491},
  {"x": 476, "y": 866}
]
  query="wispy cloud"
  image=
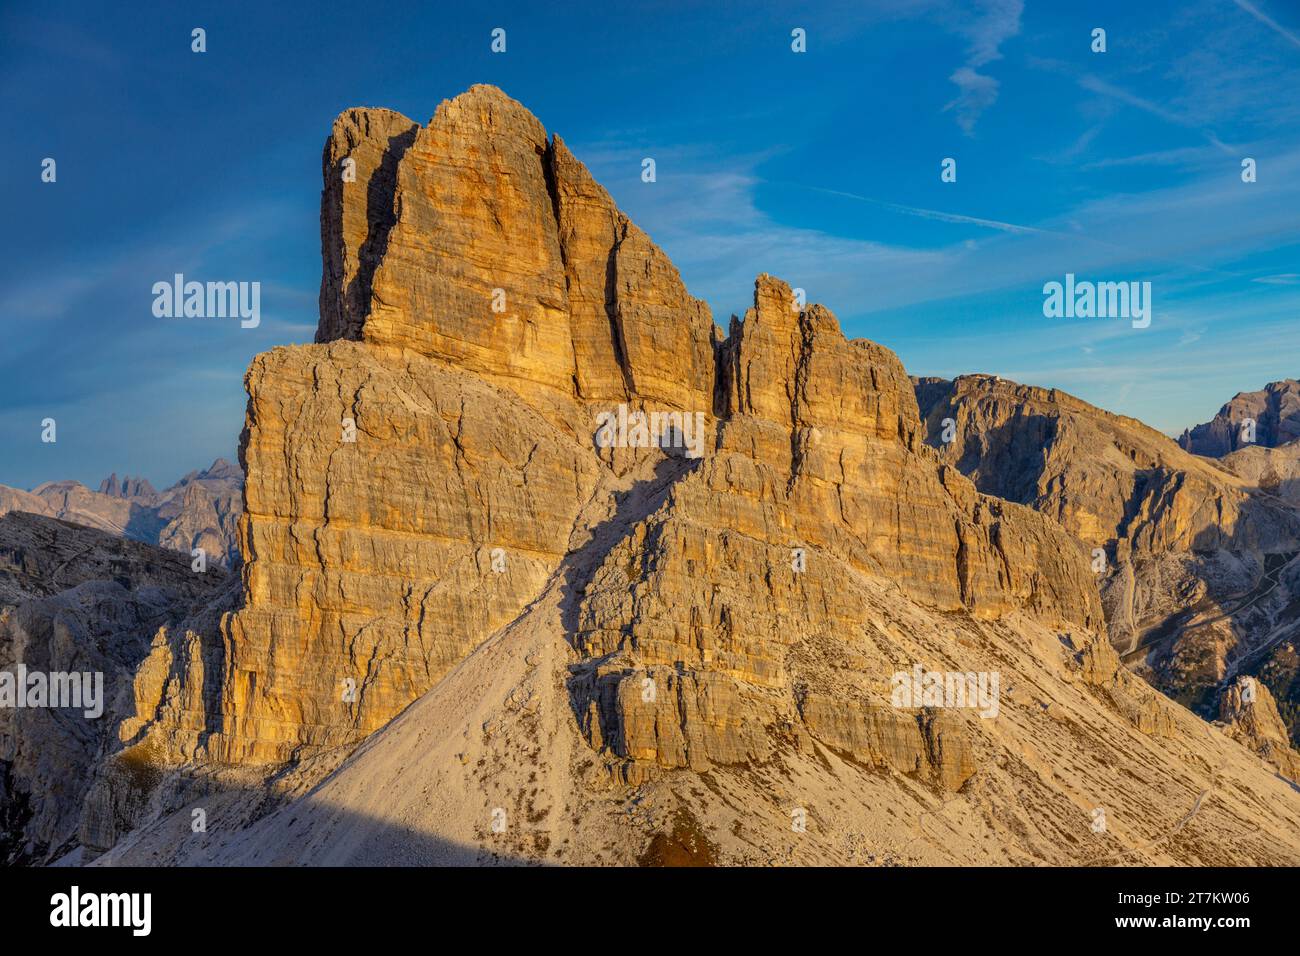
[
  {"x": 1078, "y": 147},
  {"x": 708, "y": 218},
  {"x": 1179, "y": 156},
  {"x": 998, "y": 21}
]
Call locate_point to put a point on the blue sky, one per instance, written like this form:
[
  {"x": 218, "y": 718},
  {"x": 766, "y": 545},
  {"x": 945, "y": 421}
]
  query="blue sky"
[{"x": 822, "y": 168}]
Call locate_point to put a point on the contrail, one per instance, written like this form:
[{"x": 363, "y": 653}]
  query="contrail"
[
  {"x": 934, "y": 213},
  {"x": 1268, "y": 21}
]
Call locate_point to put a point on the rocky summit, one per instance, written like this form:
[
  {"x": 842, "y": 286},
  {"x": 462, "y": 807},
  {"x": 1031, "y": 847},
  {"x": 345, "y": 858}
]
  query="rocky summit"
[
  {"x": 540, "y": 564},
  {"x": 1267, "y": 418}
]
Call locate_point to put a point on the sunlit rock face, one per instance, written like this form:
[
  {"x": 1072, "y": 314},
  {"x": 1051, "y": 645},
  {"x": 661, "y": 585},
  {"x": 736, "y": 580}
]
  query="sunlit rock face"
[{"x": 483, "y": 303}]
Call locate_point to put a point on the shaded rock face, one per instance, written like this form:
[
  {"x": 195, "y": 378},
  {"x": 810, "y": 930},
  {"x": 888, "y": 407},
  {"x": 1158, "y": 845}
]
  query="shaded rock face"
[
  {"x": 1274, "y": 410},
  {"x": 472, "y": 480},
  {"x": 199, "y": 511},
  {"x": 354, "y": 234},
  {"x": 74, "y": 601},
  {"x": 1195, "y": 573}
]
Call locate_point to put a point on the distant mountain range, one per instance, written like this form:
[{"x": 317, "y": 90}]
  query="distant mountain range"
[{"x": 199, "y": 511}]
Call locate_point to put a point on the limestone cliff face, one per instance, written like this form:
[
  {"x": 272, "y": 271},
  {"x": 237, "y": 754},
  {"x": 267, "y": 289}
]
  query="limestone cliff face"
[
  {"x": 488, "y": 246},
  {"x": 361, "y": 154},
  {"x": 837, "y": 422},
  {"x": 1274, "y": 409},
  {"x": 374, "y": 565},
  {"x": 1109, "y": 480},
  {"x": 369, "y": 564},
  {"x": 818, "y": 479}
]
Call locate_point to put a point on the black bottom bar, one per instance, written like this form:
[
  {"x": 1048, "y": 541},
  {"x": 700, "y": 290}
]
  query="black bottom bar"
[{"x": 334, "y": 907}]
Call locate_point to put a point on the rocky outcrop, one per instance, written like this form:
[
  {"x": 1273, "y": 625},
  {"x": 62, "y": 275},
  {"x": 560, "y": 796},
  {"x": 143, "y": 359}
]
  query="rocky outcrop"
[
  {"x": 1273, "y": 411},
  {"x": 1109, "y": 480},
  {"x": 73, "y": 501},
  {"x": 486, "y": 768},
  {"x": 818, "y": 464},
  {"x": 1250, "y": 714},
  {"x": 384, "y": 474},
  {"x": 202, "y": 511},
  {"x": 412, "y": 491},
  {"x": 374, "y": 565},
  {"x": 493, "y": 249},
  {"x": 15, "y": 499},
  {"x": 362, "y": 153},
  {"x": 128, "y": 487},
  {"x": 1273, "y": 471}
]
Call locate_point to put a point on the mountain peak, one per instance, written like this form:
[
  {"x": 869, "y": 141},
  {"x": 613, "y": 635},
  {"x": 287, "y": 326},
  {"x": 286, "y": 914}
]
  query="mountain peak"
[
  {"x": 128, "y": 487},
  {"x": 1267, "y": 418}
]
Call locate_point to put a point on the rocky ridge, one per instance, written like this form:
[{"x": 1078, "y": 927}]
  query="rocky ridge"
[
  {"x": 1196, "y": 557},
  {"x": 77, "y": 600}
]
